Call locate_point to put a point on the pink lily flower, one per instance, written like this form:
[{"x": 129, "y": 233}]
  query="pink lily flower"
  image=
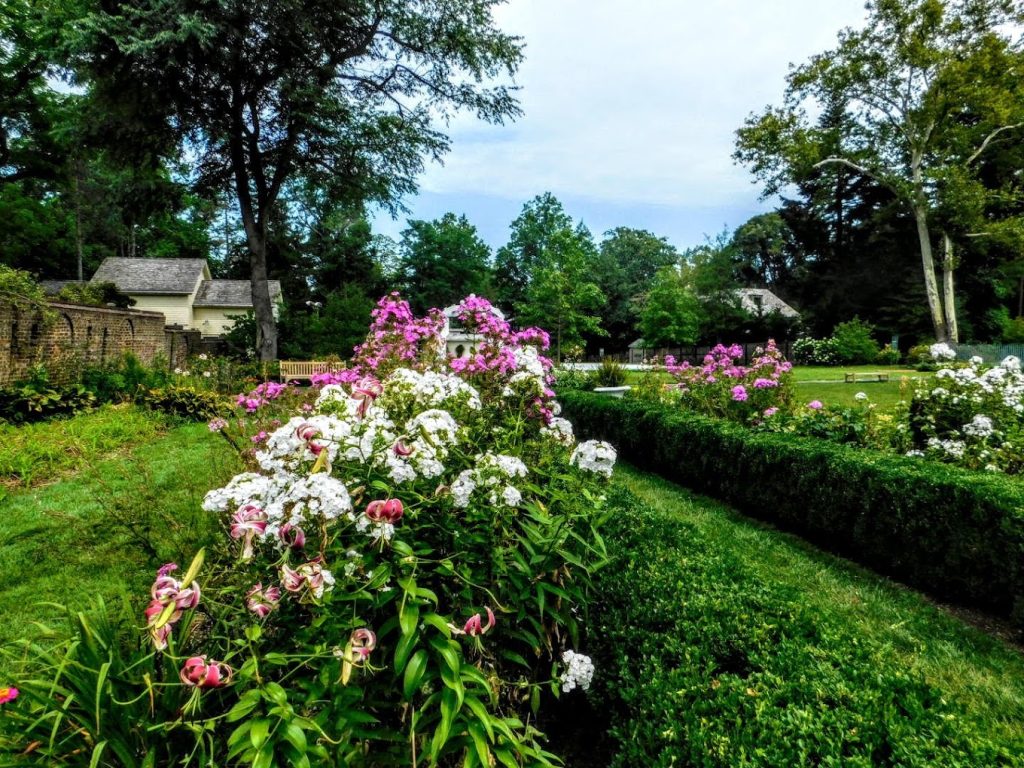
[
  {"x": 366, "y": 390},
  {"x": 474, "y": 625},
  {"x": 311, "y": 575},
  {"x": 306, "y": 432},
  {"x": 262, "y": 601},
  {"x": 245, "y": 524},
  {"x": 197, "y": 672},
  {"x": 389, "y": 511},
  {"x": 292, "y": 536},
  {"x": 401, "y": 449},
  {"x": 363, "y": 641}
]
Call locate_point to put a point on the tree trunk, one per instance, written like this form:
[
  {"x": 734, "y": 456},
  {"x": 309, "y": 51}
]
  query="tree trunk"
[
  {"x": 931, "y": 285},
  {"x": 266, "y": 327},
  {"x": 948, "y": 297},
  {"x": 78, "y": 220}
]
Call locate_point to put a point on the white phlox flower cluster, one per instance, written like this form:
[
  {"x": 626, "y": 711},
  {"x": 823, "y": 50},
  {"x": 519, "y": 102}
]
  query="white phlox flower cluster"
[
  {"x": 376, "y": 531},
  {"x": 430, "y": 434},
  {"x": 559, "y": 430},
  {"x": 979, "y": 426},
  {"x": 246, "y": 488},
  {"x": 301, "y": 500},
  {"x": 952, "y": 448},
  {"x": 430, "y": 389},
  {"x": 942, "y": 351},
  {"x": 285, "y": 450},
  {"x": 579, "y": 671},
  {"x": 491, "y": 475},
  {"x": 594, "y": 456}
]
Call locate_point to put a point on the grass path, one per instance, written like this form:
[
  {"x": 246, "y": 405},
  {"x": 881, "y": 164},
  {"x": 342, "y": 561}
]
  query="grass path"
[
  {"x": 102, "y": 530},
  {"x": 980, "y": 672}
]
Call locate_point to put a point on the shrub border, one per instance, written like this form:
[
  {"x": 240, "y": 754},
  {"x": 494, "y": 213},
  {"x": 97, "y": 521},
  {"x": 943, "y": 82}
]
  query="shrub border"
[{"x": 950, "y": 532}]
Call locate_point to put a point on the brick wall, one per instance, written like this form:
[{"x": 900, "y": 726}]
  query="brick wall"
[{"x": 76, "y": 336}]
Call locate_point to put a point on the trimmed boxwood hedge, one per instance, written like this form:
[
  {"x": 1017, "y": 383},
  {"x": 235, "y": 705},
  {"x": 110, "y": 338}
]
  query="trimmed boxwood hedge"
[
  {"x": 956, "y": 534},
  {"x": 700, "y": 662}
]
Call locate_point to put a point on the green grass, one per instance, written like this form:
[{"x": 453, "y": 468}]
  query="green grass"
[
  {"x": 103, "y": 530},
  {"x": 827, "y": 384},
  {"x": 976, "y": 670},
  {"x": 37, "y": 453}
]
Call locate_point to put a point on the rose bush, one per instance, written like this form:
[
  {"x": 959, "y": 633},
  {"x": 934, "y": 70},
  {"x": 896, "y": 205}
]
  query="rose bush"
[{"x": 403, "y": 577}]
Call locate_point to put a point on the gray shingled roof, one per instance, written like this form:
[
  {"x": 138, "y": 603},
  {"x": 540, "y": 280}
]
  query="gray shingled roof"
[
  {"x": 231, "y": 293},
  {"x": 166, "y": 276},
  {"x": 761, "y": 300}
]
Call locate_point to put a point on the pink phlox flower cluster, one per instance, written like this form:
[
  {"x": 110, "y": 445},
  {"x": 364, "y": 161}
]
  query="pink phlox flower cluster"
[
  {"x": 398, "y": 336},
  {"x": 346, "y": 376},
  {"x": 263, "y": 394},
  {"x": 169, "y": 599},
  {"x": 739, "y": 393}
]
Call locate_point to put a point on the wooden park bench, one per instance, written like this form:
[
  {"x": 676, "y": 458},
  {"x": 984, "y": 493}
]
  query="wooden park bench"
[
  {"x": 293, "y": 370},
  {"x": 853, "y": 378}
]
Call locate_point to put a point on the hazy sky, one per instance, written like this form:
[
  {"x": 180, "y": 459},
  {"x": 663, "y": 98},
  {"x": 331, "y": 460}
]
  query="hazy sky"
[{"x": 630, "y": 109}]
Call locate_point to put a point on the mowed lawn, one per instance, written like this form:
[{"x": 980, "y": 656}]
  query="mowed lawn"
[
  {"x": 828, "y": 384},
  {"x": 981, "y": 673},
  {"x": 123, "y": 502}
]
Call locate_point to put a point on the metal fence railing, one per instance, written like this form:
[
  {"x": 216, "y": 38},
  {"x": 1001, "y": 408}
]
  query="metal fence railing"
[{"x": 990, "y": 353}]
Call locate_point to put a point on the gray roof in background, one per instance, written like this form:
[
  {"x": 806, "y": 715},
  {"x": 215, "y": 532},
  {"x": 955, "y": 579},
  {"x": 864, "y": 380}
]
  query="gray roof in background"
[
  {"x": 53, "y": 287},
  {"x": 761, "y": 300},
  {"x": 231, "y": 293},
  {"x": 166, "y": 276}
]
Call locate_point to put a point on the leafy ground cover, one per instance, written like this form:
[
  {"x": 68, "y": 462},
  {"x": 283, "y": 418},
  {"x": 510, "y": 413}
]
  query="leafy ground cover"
[
  {"x": 100, "y": 531},
  {"x": 728, "y": 643}
]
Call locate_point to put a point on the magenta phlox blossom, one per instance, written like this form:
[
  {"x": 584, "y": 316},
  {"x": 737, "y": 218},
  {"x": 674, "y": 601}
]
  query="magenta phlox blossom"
[
  {"x": 261, "y": 395},
  {"x": 739, "y": 393},
  {"x": 815, "y": 405}
]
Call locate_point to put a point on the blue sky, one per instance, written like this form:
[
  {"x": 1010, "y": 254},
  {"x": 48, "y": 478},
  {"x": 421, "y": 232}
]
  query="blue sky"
[{"x": 630, "y": 109}]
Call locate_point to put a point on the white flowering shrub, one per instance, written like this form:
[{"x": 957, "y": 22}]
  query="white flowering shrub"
[
  {"x": 971, "y": 416},
  {"x": 403, "y": 570}
]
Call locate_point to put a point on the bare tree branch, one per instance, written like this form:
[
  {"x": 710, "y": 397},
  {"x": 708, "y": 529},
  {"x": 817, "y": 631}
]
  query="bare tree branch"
[{"x": 988, "y": 140}]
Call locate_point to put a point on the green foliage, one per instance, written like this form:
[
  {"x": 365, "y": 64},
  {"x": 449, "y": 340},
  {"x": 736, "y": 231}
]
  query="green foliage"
[
  {"x": 572, "y": 378},
  {"x": 1013, "y": 331},
  {"x": 888, "y": 355},
  {"x": 561, "y": 295},
  {"x": 808, "y": 351},
  {"x": 17, "y": 287},
  {"x": 711, "y": 664},
  {"x": 951, "y": 532},
  {"x": 185, "y": 402},
  {"x": 29, "y": 403},
  {"x": 671, "y": 313},
  {"x": 623, "y": 268},
  {"x": 532, "y": 233},
  {"x": 854, "y": 342},
  {"x": 442, "y": 261},
  {"x": 95, "y": 295},
  {"x": 331, "y": 330},
  {"x": 609, "y": 374},
  {"x": 122, "y": 379}
]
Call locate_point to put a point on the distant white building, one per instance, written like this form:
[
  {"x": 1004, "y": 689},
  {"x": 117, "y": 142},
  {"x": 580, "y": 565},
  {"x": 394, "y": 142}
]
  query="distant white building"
[
  {"x": 761, "y": 301},
  {"x": 459, "y": 341}
]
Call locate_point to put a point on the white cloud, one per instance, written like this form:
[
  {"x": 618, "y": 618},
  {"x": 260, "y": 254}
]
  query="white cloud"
[{"x": 636, "y": 102}]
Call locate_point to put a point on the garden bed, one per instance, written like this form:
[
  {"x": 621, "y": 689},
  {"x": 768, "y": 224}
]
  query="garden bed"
[{"x": 950, "y": 532}]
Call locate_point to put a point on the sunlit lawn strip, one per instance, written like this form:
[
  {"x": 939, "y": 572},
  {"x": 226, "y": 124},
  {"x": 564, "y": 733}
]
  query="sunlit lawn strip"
[{"x": 32, "y": 454}]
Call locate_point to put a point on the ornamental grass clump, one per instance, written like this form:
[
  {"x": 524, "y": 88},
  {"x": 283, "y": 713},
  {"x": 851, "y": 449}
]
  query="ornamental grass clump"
[
  {"x": 971, "y": 416},
  {"x": 403, "y": 577},
  {"x": 724, "y": 388}
]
